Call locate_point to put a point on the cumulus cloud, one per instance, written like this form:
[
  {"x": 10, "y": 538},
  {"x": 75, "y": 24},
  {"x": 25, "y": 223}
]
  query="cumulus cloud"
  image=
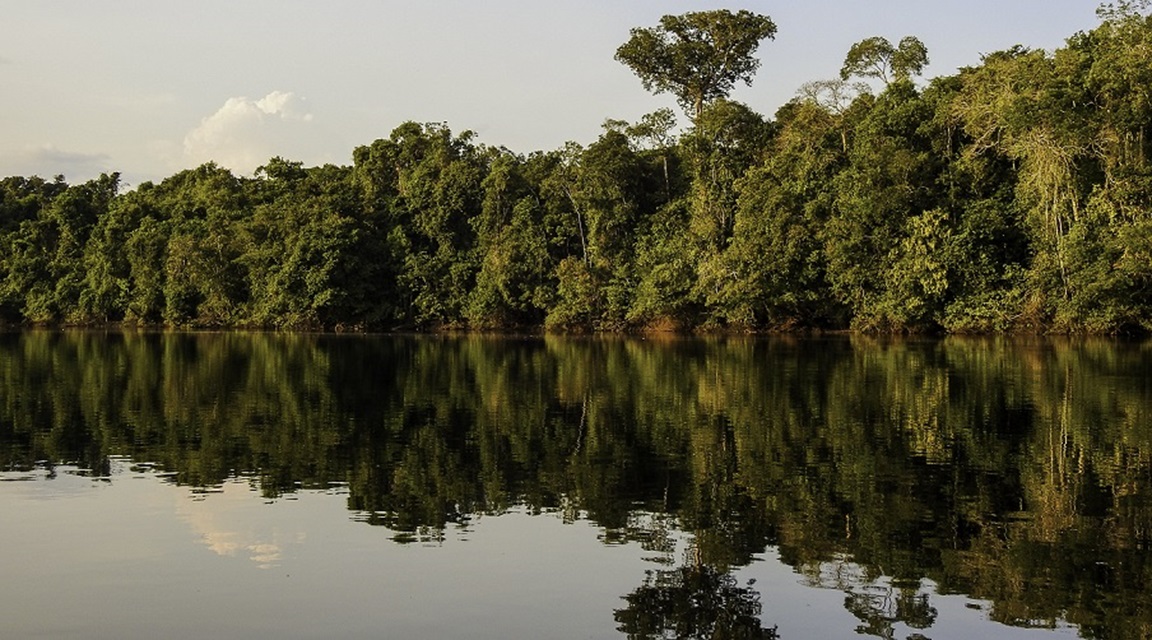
[
  {"x": 244, "y": 133},
  {"x": 47, "y": 161}
]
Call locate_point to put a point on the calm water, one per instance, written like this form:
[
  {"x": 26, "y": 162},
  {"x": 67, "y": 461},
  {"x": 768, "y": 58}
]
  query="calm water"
[{"x": 269, "y": 486}]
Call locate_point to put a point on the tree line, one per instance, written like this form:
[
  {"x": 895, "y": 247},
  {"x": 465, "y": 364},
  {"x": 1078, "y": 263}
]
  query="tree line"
[{"x": 1014, "y": 195}]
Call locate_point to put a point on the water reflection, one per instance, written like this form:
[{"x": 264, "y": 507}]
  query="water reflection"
[
  {"x": 896, "y": 472},
  {"x": 221, "y": 520},
  {"x": 693, "y": 601}
]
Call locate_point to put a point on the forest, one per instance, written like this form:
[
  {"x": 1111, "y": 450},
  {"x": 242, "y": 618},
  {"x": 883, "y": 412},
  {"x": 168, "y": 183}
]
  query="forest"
[{"x": 1011, "y": 196}]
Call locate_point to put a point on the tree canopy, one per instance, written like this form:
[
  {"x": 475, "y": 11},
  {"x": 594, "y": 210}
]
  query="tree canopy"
[
  {"x": 698, "y": 56},
  {"x": 1013, "y": 195},
  {"x": 875, "y": 57}
]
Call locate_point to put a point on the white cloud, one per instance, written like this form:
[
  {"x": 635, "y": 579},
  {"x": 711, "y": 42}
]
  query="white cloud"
[{"x": 244, "y": 133}]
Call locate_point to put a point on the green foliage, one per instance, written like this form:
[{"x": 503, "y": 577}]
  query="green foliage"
[
  {"x": 1011, "y": 196},
  {"x": 303, "y": 240},
  {"x": 145, "y": 251},
  {"x": 698, "y": 56},
  {"x": 44, "y": 270},
  {"x": 875, "y": 57},
  {"x": 423, "y": 189},
  {"x": 516, "y": 282},
  {"x": 666, "y": 273},
  {"x": 578, "y": 304},
  {"x": 891, "y": 177},
  {"x": 774, "y": 270},
  {"x": 918, "y": 276}
]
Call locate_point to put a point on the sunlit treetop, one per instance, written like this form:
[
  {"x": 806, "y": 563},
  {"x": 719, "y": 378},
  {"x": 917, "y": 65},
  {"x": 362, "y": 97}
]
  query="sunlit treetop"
[
  {"x": 698, "y": 56},
  {"x": 876, "y": 57}
]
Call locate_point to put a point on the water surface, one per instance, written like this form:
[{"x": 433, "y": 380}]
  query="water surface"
[{"x": 308, "y": 486}]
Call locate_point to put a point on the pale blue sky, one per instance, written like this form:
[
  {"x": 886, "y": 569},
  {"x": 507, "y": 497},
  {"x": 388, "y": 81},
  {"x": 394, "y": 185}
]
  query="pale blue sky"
[{"x": 149, "y": 87}]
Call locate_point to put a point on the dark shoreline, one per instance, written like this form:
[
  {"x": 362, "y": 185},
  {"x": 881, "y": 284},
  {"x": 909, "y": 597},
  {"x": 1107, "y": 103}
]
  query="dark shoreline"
[{"x": 540, "y": 331}]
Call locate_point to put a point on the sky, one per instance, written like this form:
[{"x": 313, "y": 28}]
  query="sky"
[{"x": 152, "y": 87}]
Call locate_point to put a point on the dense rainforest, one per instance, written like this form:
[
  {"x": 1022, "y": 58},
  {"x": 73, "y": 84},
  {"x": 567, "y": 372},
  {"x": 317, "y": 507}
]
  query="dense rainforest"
[{"x": 1015, "y": 195}]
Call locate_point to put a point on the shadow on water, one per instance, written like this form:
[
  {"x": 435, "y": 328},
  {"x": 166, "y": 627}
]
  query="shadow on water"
[{"x": 1017, "y": 472}]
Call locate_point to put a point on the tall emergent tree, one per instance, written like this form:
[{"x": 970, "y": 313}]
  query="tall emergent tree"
[
  {"x": 875, "y": 57},
  {"x": 697, "y": 56}
]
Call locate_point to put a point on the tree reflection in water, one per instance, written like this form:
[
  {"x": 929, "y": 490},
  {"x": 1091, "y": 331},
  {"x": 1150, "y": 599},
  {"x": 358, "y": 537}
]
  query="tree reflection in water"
[
  {"x": 1014, "y": 472},
  {"x": 693, "y": 601}
]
